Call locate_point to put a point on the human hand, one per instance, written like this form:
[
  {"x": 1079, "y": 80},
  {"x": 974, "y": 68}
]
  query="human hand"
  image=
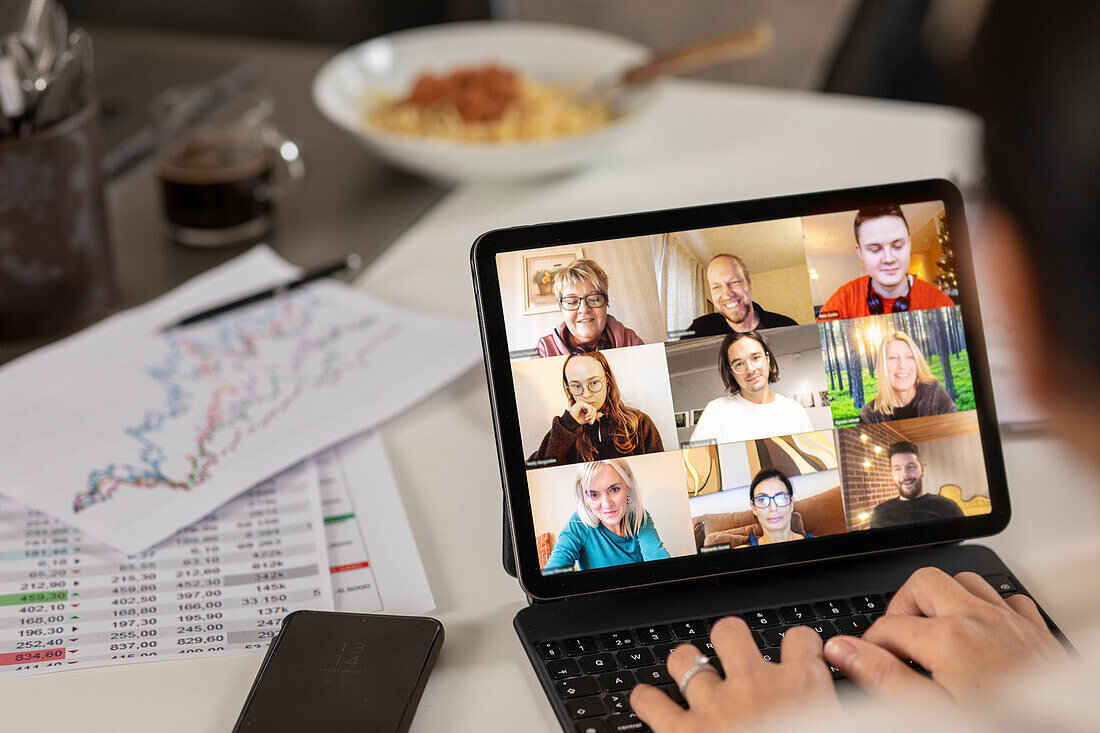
[
  {"x": 753, "y": 688},
  {"x": 583, "y": 412},
  {"x": 959, "y": 629}
]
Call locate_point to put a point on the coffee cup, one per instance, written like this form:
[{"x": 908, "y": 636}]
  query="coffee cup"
[{"x": 221, "y": 180}]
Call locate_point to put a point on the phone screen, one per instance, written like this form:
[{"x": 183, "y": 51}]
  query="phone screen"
[{"x": 342, "y": 671}]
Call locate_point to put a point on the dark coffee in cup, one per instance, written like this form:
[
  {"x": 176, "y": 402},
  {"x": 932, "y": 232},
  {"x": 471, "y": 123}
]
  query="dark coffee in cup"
[{"x": 216, "y": 190}]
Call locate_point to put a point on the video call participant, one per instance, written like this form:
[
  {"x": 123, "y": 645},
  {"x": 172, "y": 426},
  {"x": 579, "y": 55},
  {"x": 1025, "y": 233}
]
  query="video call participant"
[
  {"x": 883, "y": 246},
  {"x": 610, "y": 526},
  {"x": 751, "y": 410},
  {"x": 731, "y": 292},
  {"x": 772, "y": 499},
  {"x": 596, "y": 424},
  {"x": 906, "y": 386},
  {"x": 911, "y": 505},
  {"x": 581, "y": 288}
]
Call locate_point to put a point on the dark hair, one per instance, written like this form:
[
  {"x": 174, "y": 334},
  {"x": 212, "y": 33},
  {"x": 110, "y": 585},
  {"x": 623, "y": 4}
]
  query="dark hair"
[
  {"x": 724, "y": 363},
  {"x": 763, "y": 475},
  {"x": 1031, "y": 75},
  {"x": 902, "y": 446},
  {"x": 877, "y": 212},
  {"x": 622, "y": 421}
]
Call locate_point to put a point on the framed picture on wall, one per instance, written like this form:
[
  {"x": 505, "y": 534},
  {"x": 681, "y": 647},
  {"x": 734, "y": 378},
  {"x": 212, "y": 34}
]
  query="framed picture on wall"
[
  {"x": 683, "y": 419},
  {"x": 695, "y": 415},
  {"x": 538, "y": 277}
]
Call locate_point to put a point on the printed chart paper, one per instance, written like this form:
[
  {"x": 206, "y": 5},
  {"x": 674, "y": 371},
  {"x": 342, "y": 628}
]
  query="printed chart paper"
[
  {"x": 220, "y": 586},
  {"x": 129, "y": 434}
]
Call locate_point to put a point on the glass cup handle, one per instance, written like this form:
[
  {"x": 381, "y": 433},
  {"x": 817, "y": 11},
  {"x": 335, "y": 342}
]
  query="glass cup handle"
[{"x": 291, "y": 167}]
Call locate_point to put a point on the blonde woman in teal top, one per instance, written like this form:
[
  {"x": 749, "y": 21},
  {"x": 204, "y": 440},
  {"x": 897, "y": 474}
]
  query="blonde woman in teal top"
[{"x": 610, "y": 526}]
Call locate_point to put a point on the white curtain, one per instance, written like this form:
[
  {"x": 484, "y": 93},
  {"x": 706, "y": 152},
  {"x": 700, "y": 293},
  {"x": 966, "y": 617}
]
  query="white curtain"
[{"x": 681, "y": 282}]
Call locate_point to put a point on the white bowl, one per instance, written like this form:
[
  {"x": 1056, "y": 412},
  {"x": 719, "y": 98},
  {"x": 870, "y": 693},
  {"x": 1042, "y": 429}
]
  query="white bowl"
[{"x": 553, "y": 54}]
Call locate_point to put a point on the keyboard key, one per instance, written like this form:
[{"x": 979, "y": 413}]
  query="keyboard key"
[
  {"x": 799, "y": 614},
  {"x": 580, "y": 646},
  {"x": 1002, "y": 583},
  {"x": 549, "y": 650},
  {"x": 560, "y": 669},
  {"x": 774, "y": 637},
  {"x": 616, "y": 681},
  {"x": 762, "y": 619},
  {"x": 661, "y": 651},
  {"x": 597, "y": 663},
  {"x": 770, "y": 655},
  {"x": 577, "y": 687},
  {"x": 837, "y": 675},
  {"x": 833, "y": 609},
  {"x": 655, "y": 675},
  {"x": 868, "y": 604},
  {"x": 626, "y": 723},
  {"x": 853, "y": 625},
  {"x": 585, "y": 707},
  {"x": 618, "y": 702},
  {"x": 616, "y": 640},
  {"x": 653, "y": 634},
  {"x": 635, "y": 657},
  {"x": 596, "y": 725},
  {"x": 674, "y": 692},
  {"x": 824, "y": 629},
  {"x": 686, "y": 630}
]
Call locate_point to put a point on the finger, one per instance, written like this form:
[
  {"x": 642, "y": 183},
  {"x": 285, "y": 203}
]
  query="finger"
[
  {"x": 879, "y": 672},
  {"x": 1026, "y": 608},
  {"x": 735, "y": 646},
  {"x": 656, "y": 709},
  {"x": 931, "y": 592},
  {"x": 800, "y": 644},
  {"x": 924, "y": 640},
  {"x": 701, "y": 685},
  {"x": 980, "y": 587}
]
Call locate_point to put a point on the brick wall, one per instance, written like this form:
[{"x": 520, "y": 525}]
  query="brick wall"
[{"x": 865, "y": 486}]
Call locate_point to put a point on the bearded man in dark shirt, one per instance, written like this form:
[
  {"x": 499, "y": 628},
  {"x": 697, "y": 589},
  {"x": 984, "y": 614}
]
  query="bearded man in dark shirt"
[{"x": 911, "y": 505}]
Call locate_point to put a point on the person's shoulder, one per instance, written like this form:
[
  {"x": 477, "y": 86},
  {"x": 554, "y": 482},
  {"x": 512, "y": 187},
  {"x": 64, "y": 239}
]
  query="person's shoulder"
[
  {"x": 929, "y": 295},
  {"x": 711, "y": 324},
  {"x": 839, "y": 304},
  {"x": 621, "y": 334},
  {"x": 771, "y": 319}
]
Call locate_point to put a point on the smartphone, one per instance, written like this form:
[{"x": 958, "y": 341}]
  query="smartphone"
[{"x": 343, "y": 672}]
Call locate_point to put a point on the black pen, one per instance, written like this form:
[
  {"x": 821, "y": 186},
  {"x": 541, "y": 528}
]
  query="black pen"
[{"x": 352, "y": 262}]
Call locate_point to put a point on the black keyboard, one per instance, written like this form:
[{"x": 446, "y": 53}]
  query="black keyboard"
[{"x": 593, "y": 675}]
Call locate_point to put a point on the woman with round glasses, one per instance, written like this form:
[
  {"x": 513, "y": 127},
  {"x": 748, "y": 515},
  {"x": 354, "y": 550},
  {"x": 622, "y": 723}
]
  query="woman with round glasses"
[
  {"x": 581, "y": 290},
  {"x": 596, "y": 424},
  {"x": 610, "y": 526},
  {"x": 772, "y": 499},
  {"x": 751, "y": 410},
  {"x": 906, "y": 386}
]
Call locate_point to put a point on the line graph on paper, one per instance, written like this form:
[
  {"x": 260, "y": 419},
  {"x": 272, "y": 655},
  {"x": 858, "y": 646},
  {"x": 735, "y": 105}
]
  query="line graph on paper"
[
  {"x": 222, "y": 383},
  {"x": 130, "y": 434}
]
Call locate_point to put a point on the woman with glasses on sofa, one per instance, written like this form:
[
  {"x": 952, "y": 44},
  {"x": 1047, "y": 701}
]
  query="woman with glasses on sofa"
[
  {"x": 771, "y": 497},
  {"x": 581, "y": 290},
  {"x": 596, "y": 424}
]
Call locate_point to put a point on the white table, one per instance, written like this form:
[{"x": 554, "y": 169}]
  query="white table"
[{"x": 708, "y": 143}]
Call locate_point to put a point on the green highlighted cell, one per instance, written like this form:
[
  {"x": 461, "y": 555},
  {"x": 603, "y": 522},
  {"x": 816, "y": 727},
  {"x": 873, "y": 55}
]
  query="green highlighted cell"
[
  {"x": 338, "y": 518},
  {"x": 48, "y": 596},
  {"x": 35, "y": 553}
]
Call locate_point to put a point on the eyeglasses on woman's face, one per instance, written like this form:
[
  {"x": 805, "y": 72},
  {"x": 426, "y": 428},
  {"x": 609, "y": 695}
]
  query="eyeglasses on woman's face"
[
  {"x": 592, "y": 385},
  {"x": 761, "y": 501},
  {"x": 572, "y": 302}
]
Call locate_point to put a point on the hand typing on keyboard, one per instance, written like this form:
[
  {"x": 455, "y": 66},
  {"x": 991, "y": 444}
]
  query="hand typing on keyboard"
[
  {"x": 753, "y": 689},
  {"x": 960, "y": 629}
]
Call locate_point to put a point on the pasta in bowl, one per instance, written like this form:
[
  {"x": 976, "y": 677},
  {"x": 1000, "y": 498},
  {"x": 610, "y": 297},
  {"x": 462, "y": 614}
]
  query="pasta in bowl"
[{"x": 484, "y": 100}]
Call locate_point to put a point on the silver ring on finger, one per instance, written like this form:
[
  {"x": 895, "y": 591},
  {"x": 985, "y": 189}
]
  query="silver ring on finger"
[{"x": 702, "y": 664}]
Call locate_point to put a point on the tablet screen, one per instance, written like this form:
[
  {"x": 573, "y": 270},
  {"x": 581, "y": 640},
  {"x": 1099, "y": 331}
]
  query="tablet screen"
[{"x": 723, "y": 389}]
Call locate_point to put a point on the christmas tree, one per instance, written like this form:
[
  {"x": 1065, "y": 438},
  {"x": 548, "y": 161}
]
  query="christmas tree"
[{"x": 946, "y": 280}]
